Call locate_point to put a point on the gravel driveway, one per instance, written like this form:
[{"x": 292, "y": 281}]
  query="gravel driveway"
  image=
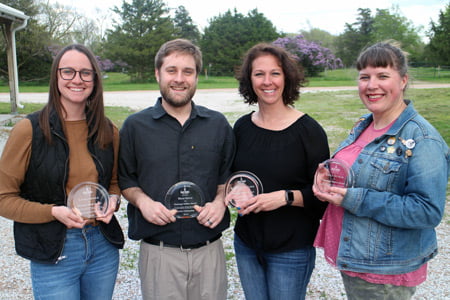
[{"x": 325, "y": 282}]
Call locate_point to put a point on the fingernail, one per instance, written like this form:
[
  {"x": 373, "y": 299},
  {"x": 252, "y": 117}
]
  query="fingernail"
[
  {"x": 240, "y": 215},
  {"x": 238, "y": 208}
]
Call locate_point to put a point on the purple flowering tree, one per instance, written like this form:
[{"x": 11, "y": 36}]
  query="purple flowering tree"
[
  {"x": 105, "y": 64},
  {"x": 121, "y": 66},
  {"x": 313, "y": 57}
]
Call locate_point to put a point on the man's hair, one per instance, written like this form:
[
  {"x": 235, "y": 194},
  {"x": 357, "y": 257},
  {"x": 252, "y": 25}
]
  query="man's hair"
[{"x": 182, "y": 46}]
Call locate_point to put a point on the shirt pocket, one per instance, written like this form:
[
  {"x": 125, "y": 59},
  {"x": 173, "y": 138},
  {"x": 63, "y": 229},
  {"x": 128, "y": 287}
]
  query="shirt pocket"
[{"x": 384, "y": 174}]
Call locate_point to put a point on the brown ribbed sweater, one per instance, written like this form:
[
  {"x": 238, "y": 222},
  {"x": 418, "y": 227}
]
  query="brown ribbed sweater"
[{"x": 14, "y": 163}]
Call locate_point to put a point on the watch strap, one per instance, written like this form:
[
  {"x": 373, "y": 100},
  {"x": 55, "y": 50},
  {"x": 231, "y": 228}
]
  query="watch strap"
[{"x": 289, "y": 197}]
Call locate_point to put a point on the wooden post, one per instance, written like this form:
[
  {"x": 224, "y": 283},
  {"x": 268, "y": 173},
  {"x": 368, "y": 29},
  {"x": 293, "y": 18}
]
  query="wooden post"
[{"x": 11, "y": 70}]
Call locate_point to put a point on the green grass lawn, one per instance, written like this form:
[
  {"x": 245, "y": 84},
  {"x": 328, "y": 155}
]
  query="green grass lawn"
[
  {"x": 329, "y": 78},
  {"x": 336, "y": 111}
]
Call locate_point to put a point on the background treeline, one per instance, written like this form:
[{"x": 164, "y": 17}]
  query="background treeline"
[{"x": 137, "y": 28}]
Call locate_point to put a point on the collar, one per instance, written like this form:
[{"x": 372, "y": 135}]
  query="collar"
[{"x": 56, "y": 122}]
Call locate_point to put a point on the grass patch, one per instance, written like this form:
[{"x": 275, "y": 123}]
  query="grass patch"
[
  {"x": 439, "y": 75},
  {"x": 433, "y": 105},
  {"x": 5, "y": 108},
  {"x": 336, "y": 111},
  {"x": 118, "y": 114},
  {"x": 214, "y": 82},
  {"x": 330, "y": 78}
]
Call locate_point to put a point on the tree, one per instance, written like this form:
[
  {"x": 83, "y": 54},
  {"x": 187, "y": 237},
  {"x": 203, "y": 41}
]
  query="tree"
[
  {"x": 184, "y": 26},
  {"x": 312, "y": 57},
  {"x": 33, "y": 56},
  {"x": 387, "y": 24},
  {"x": 321, "y": 37},
  {"x": 66, "y": 26},
  {"x": 87, "y": 32},
  {"x": 229, "y": 36},
  {"x": 356, "y": 36},
  {"x": 439, "y": 34},
  {"x": 391, "y": 25},
  {"x": 58, "y": 20},
  {"x": 50, "y": 27},
  {"x": 143, "y": 27}
]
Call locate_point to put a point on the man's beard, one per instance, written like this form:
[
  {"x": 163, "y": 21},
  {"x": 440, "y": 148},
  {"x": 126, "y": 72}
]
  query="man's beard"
[{"x": 165, "y": 93}]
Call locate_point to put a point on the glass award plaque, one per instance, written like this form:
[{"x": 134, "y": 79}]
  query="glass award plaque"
[
  {"x": 241, "y": 187},
  {"x": 333, "y": 172},
  {"x": 182, "y": 196},
  {"x": 88, "y": 200}
]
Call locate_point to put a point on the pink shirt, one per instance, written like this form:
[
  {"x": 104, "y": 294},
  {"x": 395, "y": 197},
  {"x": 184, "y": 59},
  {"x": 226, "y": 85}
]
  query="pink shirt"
[{"x": 330, "y": 228}]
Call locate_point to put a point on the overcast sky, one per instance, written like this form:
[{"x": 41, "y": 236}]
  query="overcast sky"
[{"x": 286, "y": 15}]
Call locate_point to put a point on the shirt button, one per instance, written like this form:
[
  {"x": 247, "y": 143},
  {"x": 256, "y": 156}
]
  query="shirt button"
[
  {"x": 346, "y": 239},
  {"x": 344, "y": 265},
  {"x": 360, "y": 161}
]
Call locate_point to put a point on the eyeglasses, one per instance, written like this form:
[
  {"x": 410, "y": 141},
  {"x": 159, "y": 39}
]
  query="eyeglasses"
[{"x": 69, "y": 74}]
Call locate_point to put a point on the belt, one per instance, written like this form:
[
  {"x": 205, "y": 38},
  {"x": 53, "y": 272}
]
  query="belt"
[
  {"x": 156, "y": 242},
  {"x": 92, "y": 222}
]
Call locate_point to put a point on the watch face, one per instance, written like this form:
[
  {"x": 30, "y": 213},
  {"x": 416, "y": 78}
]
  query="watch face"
[{"x": 289, "y": 197}]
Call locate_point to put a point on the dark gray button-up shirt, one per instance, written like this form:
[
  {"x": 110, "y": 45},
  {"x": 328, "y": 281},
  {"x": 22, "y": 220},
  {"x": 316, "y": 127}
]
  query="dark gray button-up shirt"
[{"x": 156, "y": 152}]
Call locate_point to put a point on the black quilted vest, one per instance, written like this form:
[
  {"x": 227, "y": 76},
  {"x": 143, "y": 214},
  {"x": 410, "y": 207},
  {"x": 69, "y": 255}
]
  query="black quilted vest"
[{"x": 45, "y": 182}]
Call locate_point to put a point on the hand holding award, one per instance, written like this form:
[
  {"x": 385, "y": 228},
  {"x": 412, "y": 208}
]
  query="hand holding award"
[
  {"x": 88, "y": 200},
  {"x": 333, "y": 172},
  {"x": 241, "y": 187},
  {"x": 183, "y": 196}
]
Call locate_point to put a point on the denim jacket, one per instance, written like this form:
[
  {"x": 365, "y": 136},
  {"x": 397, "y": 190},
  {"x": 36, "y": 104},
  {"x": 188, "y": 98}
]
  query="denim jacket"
[{"x": 398, "y": 197}]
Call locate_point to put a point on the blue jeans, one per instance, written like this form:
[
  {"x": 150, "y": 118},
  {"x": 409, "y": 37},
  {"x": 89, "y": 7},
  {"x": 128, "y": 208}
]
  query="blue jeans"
[
  {"x": 87, "y": 270},
  {"x": 285, "y": 277}
]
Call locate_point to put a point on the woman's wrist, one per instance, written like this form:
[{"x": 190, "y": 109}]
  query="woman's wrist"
[{"x": 117, "y": 199}]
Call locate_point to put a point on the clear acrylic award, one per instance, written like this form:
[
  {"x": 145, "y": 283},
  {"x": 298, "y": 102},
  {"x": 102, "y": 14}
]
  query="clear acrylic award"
[
  {"x": 88, "y": 200},
  {"x": 241, "y": 187},
  {"x": 182, "y": 196},
  {"x": 333, "y": 172}
]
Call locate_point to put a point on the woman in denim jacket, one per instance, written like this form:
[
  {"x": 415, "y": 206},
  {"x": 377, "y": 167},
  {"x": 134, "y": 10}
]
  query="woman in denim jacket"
[{"x": 380, "y": 232}]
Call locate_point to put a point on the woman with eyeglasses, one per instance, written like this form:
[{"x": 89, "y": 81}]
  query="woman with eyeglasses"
[{"x": 50, "y": 152}]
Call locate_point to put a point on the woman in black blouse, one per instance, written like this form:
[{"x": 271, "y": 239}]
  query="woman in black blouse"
[{"x": 282, "y": 146}]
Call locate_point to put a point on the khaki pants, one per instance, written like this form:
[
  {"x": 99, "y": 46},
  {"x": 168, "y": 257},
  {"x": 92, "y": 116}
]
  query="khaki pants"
[{"x": 172, "y": 273}]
